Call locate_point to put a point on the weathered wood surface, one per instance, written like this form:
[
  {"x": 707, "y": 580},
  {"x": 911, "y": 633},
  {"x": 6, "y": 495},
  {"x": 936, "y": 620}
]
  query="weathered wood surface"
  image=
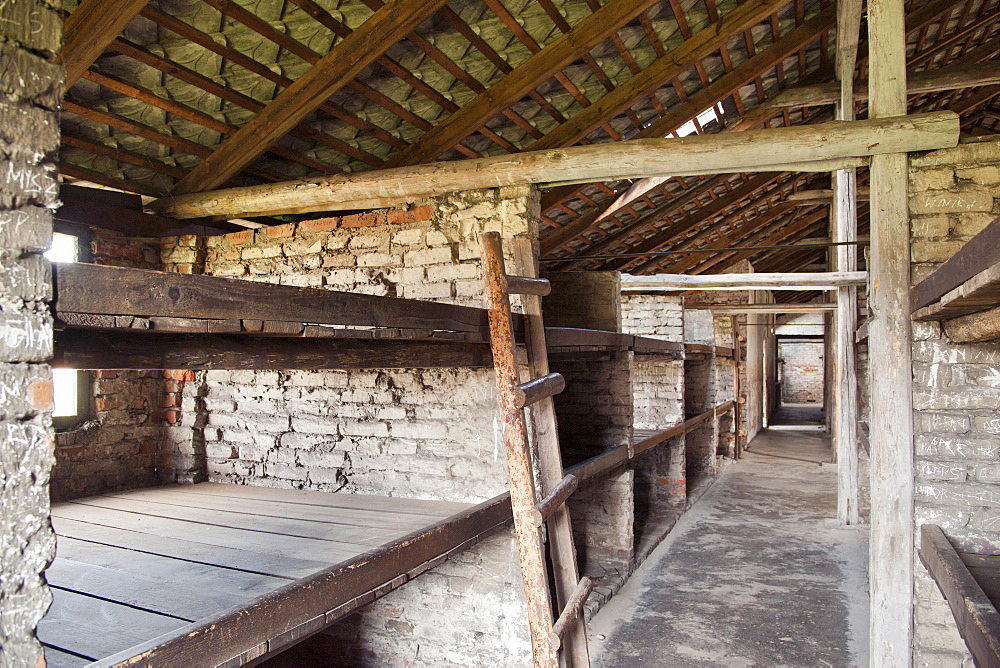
[
  {"x": 90, "y": 29},
  {"x": 889, "y": 355},
  {"x": 535, "y": 390},
  {"x": 783, "y": 149},
  {"x": 89, "y": 288},
  {"x": 975, "y": 614},
  {"x": 76, "y": 349},
  {"x": 781, "y": 281},
  {"x": 976, "y": 294},
  {"x": 918, "y": 83},
  {"x": 195, "y": 578},
  {"x": 977, "y": 255},
  {"x": 555, "y": 500},
  {"x": 520, "y": 468},
  {"x": 736, "y": 309}
]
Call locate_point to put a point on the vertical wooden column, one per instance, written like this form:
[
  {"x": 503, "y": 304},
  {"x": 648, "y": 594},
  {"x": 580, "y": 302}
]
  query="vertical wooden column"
[
  {"x": 892, "y": 547},
  {"x": 845, "y": 231}
]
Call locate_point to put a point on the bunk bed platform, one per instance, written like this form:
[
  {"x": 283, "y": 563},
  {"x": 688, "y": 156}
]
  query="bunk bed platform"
[{"x": 218, "y": 574}]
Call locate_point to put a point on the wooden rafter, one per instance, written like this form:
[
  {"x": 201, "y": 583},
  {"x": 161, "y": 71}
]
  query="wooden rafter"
[
  {"x": 662, "y": 70},
  {"x": 90, "y": 29},
  {"x": 331, "y": 73}
]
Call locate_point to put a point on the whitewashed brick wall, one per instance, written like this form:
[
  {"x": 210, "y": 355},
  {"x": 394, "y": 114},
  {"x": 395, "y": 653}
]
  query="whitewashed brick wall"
[{"x": 954, "y": 193}]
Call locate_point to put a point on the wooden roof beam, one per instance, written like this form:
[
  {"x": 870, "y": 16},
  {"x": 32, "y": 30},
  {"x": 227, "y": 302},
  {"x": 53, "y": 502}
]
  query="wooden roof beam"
[
  {"x": 781, "y": 281},
  {"x": 90, "y": 29},
  {"x": 770, "y": 236},
  {"x": 543, "y": 65},
  {"x": 801, "y": 148},
  {"x": 332, "y": 72}
]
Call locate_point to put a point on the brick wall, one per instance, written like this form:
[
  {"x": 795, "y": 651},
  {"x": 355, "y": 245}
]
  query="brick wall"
[
  {"x": 30, "y": 92},
  {"x": 954, "y": 193},
  {"x": 412, "y": 433},
  {"x": 801, "y": 371},
  {"x": 655, "y": 316},
  {"x": 144, "y": 428}
]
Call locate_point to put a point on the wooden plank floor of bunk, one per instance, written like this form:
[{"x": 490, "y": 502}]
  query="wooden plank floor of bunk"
[{"x": 171, "y": 572}]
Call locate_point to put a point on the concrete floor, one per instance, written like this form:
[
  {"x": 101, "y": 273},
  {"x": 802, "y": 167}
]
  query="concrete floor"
[{"x": 757, "y": 573}]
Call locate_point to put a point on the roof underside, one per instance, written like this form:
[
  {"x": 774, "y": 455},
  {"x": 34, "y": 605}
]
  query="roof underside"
[{"x": 185, "y": 75}]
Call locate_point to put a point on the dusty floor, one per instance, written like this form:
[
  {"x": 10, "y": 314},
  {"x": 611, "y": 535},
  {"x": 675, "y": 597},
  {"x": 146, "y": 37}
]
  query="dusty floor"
[{"x": 757, "y": 573}]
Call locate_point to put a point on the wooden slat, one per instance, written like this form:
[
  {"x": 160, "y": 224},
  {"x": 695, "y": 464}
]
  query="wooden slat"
[
  {"x": 190, "y": 550},
  {"x": 555, "y": 500},
  {"x": 400, "y": 516},
  {"x": 78, "y": 349},
  {"x": 671, "y": 65},
  {"x": 535, "y": 390},
  {"x": 657, "y": 438},
  {"x": 342, "y": 536},
  {"x": 798, "y": 148},
  {"x": 241, "y": 539},
  {"x": 177, "y": 598},
  {"x": 979, "y": 253},
  {"x": 88, "y": 288},
  {"x": 333, "y": 500},
  {"x": 977, "y": 619},
  {"x": 340, "y": 65},
  {"x": 56, "y": 659},
  {"x": 69, "y": 625}
]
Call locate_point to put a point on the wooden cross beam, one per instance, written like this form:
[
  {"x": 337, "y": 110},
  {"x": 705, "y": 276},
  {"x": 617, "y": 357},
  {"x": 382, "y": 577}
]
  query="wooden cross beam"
[
  {"x": 800, "y": 281},
  {"x": 799, "y": 148}
]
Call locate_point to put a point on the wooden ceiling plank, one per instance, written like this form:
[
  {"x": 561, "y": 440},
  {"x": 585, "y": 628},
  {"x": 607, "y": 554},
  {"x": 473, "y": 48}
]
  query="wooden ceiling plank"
[
  {"x": 92, "y": 26},
  {"x": 529, "y": 75},
  {"x": 335, "y": 70}
]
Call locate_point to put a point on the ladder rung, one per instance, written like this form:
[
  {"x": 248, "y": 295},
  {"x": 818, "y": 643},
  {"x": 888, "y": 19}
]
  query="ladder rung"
[
  {"x": 547, "y": 506},
  {"x": 522, "y": 285},
  {"x": 574, "y": 606},
  {"x": 528, "y": 393}
]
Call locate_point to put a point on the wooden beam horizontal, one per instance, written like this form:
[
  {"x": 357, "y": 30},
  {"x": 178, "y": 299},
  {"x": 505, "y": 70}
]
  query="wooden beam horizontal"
[
  {"x": 930, "y": 81},
  {"x": 789, "y": 281},
  {"x": 737, "y": 309},
  {"x": 89, "y": 288},
  {"x": 76, "y": 349},
  {"x": 797, "y": 148}
]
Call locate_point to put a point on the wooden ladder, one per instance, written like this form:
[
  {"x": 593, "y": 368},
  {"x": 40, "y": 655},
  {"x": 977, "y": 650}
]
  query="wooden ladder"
[{"x": 568, "y": 632}]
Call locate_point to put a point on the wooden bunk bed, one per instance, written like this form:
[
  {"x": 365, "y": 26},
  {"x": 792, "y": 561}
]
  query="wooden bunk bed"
[{"x": 123, "y": 318}]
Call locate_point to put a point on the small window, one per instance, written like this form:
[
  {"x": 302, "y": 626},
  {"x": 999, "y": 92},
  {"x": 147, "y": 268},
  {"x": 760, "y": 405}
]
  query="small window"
[{"x": 70, "y": 387}]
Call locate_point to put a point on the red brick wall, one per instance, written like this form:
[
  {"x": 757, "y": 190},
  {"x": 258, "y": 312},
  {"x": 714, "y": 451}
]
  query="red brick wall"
[{"x": 801, "y": 372}]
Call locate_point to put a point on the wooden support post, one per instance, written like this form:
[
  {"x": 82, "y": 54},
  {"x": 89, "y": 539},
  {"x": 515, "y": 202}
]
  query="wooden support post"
[
  {"x": 890, "y": 369},
  {"x": 844, "y": 221},
  {"x": 737, "y": 391}
]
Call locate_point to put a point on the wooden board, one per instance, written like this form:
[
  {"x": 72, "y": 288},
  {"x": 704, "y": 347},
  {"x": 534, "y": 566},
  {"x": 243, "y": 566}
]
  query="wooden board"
[
  {"x": 179, "y": 548},
  {"x": 89, "y": 288},
  {"x": 126, "y": 350},
  {"x": 979, "y": 253},
  {"x": 977, "y": 619},
  {"x": 72, "y": 619}
]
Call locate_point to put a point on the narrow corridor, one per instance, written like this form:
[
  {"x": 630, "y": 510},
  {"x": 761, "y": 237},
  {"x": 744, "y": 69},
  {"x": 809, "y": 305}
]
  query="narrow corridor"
[{"x": 757, "y": 573}]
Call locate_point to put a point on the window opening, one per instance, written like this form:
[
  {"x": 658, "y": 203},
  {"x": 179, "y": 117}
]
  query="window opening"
[{"x": 69, "y": 386}]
